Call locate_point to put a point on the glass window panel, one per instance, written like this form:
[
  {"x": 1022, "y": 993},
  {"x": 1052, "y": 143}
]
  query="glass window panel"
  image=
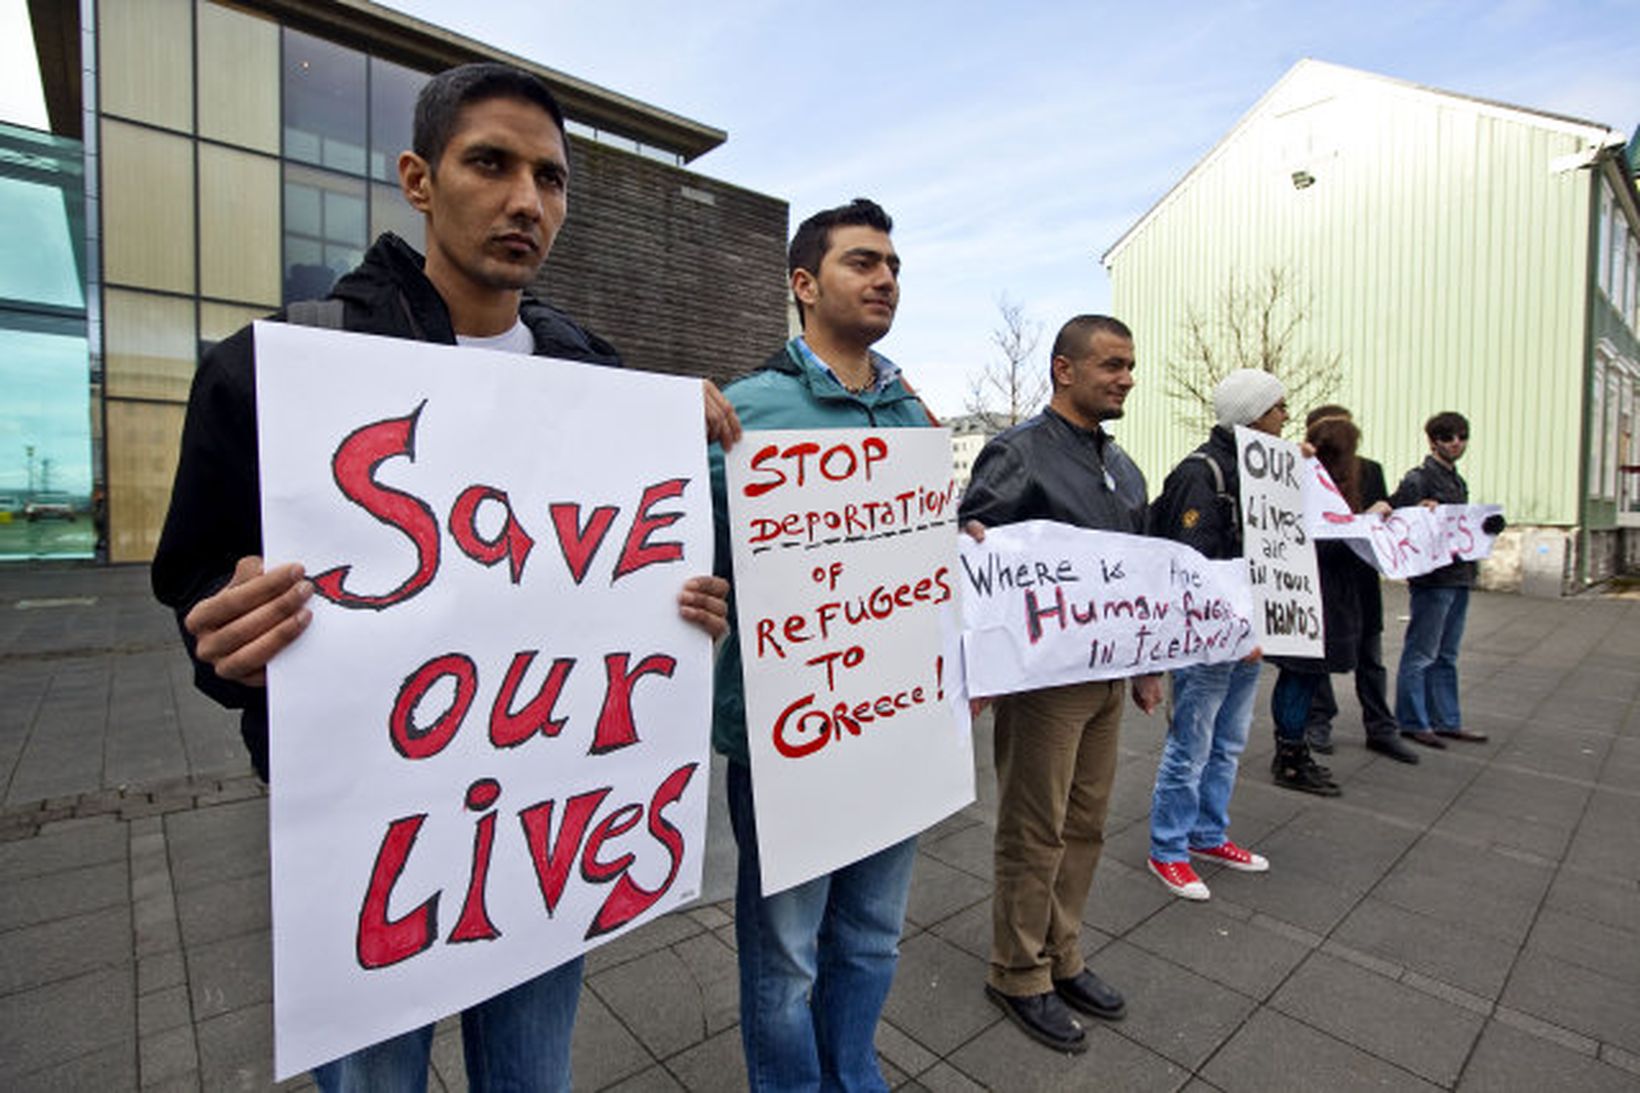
[
  {"x": 390, "y": 212},
  {"x": 46, "y": 419},
  {"x": 344, "y": 218},
  {"x": 142, "y": 461},
  {"x": 218, "y": 321},
  {"x": 238, "y": 225},
  {"x": 324, "y": 101},
  {"x": 37, "y": 262},
  {"x": 147, "y": 208},
  {"x": 148, "y": 345},
  {"x": 304, "y": 209},
  {"x": 393, "y": 91},
  {"x": 238, "y": 60},
  {"x": 315, "y": 258},
  {"x": 146, "y": 53}
]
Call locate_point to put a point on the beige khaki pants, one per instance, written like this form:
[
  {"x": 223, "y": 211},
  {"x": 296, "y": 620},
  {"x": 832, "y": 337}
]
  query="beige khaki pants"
[{"x": 1055, "y": 760}]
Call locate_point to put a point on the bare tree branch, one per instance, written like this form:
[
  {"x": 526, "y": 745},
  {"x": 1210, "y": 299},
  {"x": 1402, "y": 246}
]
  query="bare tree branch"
[
  {"x": 1259, "y": 325},
  {"x": 1008, "y": 390}
]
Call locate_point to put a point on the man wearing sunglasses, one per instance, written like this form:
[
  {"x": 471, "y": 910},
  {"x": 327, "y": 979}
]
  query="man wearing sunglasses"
[{"x": 1426, "y": 686}]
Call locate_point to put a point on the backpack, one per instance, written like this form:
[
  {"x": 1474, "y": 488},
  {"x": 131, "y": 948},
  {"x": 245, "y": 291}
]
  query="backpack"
[{"x": 1231, "y": 502}]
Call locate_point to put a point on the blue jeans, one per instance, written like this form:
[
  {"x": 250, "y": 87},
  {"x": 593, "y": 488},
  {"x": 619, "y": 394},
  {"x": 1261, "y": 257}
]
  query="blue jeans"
[
  {"x": 1290, "y": 702},
  {"x": 516, "y": 1042},
  {"x": 1426, "y": 686},
  {"x": 816, "y": 962},
  {"x": 1212, "y": 712}
]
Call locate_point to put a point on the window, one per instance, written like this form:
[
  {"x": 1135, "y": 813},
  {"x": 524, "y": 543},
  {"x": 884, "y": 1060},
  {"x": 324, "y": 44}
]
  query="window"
[
  {"x": 393, "y": 91},
  {"x": 147, "y": 208},
  {"x": 1597, "y": 423},
  {"x": 238, "y": 78},
  {"x": 324, "y": 98},
  {"x": 238, "y": 225},
  {"x": 326, "y": 230}
]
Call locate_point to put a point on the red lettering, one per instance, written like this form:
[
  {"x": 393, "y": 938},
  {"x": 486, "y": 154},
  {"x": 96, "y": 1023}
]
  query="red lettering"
[
  {"x": 354, "y": 469},
  {"x": 508, "y": 729},
  {"x": 512, "y": 543},
  {"x": 474, "y": 923},
  {"x": 414, "y": 743},
  {"x": 875, "y": 450},
  {"x": 639, "y": 551},
  {"x": 579, "y": 544},
  {"x": 617, "y": 823},
  {"x": 764, "y": 454},
  {"x": 553, "y": 857},
  {"x": 615, "y": 728},
  {"x": 380, "y": 941},
  {"x": 628, "y": 899},
  {"x": 797, "y": 750}
]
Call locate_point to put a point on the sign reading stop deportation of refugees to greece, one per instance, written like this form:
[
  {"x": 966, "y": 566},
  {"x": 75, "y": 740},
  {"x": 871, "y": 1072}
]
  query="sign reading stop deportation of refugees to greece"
[
  {"x": 1046, "y": 604},
  {"x": 1277, "y": 545},
  {"x": 844, "y": 544},
  {"x": 489, "y": 748}
]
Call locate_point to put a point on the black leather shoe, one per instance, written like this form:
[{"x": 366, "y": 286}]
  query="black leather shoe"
[
  {"x": 1392, "y": 747},
  {"x": 1424, "y": 737},
  {"x": 1093, "y": 996},
  {"x": 1463, "y": 734},
  {"x": 1042, "y": 1017}
]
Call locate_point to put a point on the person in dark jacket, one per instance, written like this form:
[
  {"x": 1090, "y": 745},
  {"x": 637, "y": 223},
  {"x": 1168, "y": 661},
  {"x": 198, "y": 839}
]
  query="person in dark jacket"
[
  {"x": 1334, "y": 441},
  {"x": 1426, "y": 684},
  {"x": 489, "y": 172},
  {"x": 1371, "y": 678},
  {"x": 1212, "y": 703},
  {"x": 1056, "y": 747}
]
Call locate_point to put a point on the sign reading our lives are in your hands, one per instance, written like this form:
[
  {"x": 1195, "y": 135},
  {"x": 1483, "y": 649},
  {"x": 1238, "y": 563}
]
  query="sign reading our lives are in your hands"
[
  {"x": 489, "y": 748},
  {"x": 1277, "y": 545},
  {"x": 857, "y": 723}
]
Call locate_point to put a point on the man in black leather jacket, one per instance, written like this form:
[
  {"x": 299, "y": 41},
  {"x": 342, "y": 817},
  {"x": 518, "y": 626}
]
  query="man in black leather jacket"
[{"x": 1056, "y": 747}]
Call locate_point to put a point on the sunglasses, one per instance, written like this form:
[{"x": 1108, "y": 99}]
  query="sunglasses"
[{"x": 1450, "y": 437}]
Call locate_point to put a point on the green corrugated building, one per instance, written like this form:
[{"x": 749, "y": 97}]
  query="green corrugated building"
[{"x": 1455, "y": 254}]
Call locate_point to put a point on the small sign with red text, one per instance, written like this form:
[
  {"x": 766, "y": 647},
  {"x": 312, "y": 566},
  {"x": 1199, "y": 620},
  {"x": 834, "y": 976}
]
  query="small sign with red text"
[
  {"x": 845, "y": 584},
  {"x": 489, "y": 749},
  {"x": 1407, "y": 542}
]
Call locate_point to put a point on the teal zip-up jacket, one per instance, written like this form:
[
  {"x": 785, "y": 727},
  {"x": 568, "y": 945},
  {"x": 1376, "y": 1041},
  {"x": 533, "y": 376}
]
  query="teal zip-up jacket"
[{"x": 785, "y": 393}]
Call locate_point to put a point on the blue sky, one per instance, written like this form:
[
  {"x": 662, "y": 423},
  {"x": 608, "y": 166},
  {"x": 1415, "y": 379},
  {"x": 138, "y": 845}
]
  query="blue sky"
[{"x": 1013, "y": 144}]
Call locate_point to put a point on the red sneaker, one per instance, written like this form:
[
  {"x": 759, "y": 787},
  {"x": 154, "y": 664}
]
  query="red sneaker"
[
  {"x": 1179, "y": 878},
  {"x": 1236, "y": 857}
]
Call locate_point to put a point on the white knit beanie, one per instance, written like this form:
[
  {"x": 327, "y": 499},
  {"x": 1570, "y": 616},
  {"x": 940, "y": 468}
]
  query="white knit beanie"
[{"x": 1246, "y": 395}]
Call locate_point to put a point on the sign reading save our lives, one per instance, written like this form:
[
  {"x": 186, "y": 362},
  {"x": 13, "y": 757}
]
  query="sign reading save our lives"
[
  {"x": 844, "y": 549},
  {"x": 489, "y": 749}
]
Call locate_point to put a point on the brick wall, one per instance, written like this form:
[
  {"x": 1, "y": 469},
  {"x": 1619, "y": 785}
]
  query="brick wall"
[{"x": 682, "y": 272}]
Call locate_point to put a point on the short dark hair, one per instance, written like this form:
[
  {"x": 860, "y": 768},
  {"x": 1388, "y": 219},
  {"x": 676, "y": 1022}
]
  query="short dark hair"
[
  {"x": 442, "y": 99},
  {"x": 1331, "y": 409},
  {"x": 813, "y": 238},
  {"x": 1446, "y": 423},
  {"x": 1073, "y": 338}
]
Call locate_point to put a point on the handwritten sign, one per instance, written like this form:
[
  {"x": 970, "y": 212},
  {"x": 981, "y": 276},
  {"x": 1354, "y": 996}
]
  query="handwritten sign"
[
  {"x": 489, "y": 749},
  {"x": 1045, "y": 604},
  {"x": 1408, "y": 542},
  {"x": 845, "y": 585},
  {"x": 1277, "y": 545}
]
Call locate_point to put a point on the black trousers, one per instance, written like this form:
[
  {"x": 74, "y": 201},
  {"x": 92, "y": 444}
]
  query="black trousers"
[{"x": 1370, "y": 681}]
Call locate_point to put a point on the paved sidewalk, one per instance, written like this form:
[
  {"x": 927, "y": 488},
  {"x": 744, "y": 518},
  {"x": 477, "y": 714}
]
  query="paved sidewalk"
[{"x": 1471, "y": 923}]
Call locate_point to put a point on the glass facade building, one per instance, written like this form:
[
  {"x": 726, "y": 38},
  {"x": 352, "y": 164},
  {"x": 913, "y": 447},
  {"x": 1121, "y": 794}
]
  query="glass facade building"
[{"x": 49, "y": 502}]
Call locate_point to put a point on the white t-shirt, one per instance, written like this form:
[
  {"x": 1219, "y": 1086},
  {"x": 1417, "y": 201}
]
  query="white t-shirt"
[{"x": 516, "y": 340}]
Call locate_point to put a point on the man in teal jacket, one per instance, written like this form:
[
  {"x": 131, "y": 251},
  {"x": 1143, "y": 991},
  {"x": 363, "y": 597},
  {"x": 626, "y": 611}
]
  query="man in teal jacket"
[{"x": 816, "y": 961}]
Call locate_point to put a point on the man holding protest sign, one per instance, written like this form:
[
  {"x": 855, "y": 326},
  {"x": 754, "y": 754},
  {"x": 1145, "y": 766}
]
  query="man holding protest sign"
[
  {"x": 489, "y": 172},
  {"x": 1056, "y": 747},
  {"x": 1212, "y": 703},
  {"x": 1371, "y": 678},
  {"x": 1426, "y": 685},
  {"x": 816, "y": 959}
]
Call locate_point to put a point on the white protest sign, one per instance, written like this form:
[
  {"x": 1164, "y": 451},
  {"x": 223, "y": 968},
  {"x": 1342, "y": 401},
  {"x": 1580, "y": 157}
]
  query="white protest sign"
[
  {"x": 489, "y": 749},
  {"x": 1277, "y": 546},
  {"x": 1045, "y": 604},
  {"x": 1405, "y": 543},
  {"x": 845, "y": 576}
]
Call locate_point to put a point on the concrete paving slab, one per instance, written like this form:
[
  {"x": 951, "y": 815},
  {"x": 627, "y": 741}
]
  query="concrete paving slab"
[
  {"x": 938, "y": 994},
  {"x": 1416, "y": 1031},
  {"x": 939, "y": 891},
  {"x": 1274, "y": 1053},
  {"x": 1508, "y": 1060},
  {"x": 1238, "y": 954},
  {"x": 1585, "y": 1001},
  {"x": 603, "y": 1050},
  {"x": 1451, "y": 953},
  {"x": 231, "y": 974},
  {"x": 213, "y": 912},
  {"x": 1290, "y": 894},
  {"x": 64, "y": 1020},
  {"x": 674, "y": 997},
  {"x": 1612, "y": 951},
  {"x": 716, "y": 1064},
  {"x": 1002, "y": 1058},
  {"x": 63, "y": 894},
  {"x": 1174, "y": 1012},
  {"x": 64, "y": 948}
]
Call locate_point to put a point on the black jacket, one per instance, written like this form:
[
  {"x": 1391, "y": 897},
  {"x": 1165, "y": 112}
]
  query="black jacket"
[
  {"x": 215, "y": 516},
  {"x": 1048, "y": 469},
  {"x": 1434, "y": 480},
  {"x": 1191, "y": 510}
]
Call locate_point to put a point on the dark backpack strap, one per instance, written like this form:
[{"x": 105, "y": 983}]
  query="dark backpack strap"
[
  {"x": 321, "y": 313},
  {"x": 1233, "y": 504}
]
